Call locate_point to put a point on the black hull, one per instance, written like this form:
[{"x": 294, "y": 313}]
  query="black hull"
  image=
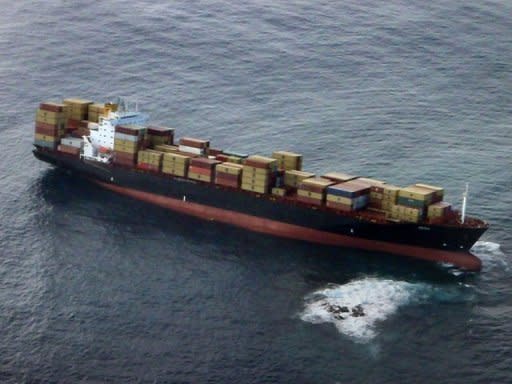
[{"x": 294, "y": 220}]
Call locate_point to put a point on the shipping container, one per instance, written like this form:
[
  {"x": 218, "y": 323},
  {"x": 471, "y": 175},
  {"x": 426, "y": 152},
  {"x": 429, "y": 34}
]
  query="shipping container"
[
  {"x": 350, "y": 189},
  {"x": 339, "y": 177},
  {"x": 194, "y": 143}
]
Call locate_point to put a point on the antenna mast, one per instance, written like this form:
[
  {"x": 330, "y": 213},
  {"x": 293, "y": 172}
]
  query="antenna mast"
[{"x": 464, "y": 201}]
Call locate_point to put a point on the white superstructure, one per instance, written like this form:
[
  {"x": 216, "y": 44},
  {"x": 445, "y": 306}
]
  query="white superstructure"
[{"x": 100, "y": 142}]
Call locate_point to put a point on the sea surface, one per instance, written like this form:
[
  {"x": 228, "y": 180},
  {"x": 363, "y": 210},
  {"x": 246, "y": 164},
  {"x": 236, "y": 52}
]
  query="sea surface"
[{"x": 98, "y": 288}]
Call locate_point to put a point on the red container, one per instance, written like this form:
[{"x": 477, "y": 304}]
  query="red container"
[
  {"x": 214, "y": 152},
  {"x": 227, "y": 176},
  {"x": 195, "y": 143},
  {"x": 73, "y": 123},
  {"x": 128, "y": 130},
  {"x": 256, "y": 164},
  {"x": 222, "y": 157},
  {"x": 338, "y": 206},
  {"x": 125, "y": 156},
  {"x": 200, "y": 171},
  {"x": 52, "y": 107},
  {"x": 47, "y": 129},
  {"x": 309, "y": 200},
  {"x": 202, "y": 162},
  {"x": 227, "y": 183},
  {"x": 160, "y": 131},
  {"x": 148, "y": 167}
]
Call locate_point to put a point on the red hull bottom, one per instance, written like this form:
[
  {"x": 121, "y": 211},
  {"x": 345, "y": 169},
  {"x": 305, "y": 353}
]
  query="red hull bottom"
[{"x": 463, "y": 260}]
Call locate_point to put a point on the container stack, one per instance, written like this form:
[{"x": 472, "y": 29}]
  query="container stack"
[
  {"x": 128, "y": 140},
  {"x": 438, "y": 191},
  {"x": 70, "y": 145},
  {"x": 95, "y": 111},
  {"x": 352, "y": 195},
  {"x": 293, "y": 178},
  {"x": 259, "y": 173},
  {"x": 312, "y": 190},
  {"x": 376, "y": 191},
  {"x": 78, "y": 110},
  {"x": 389, "y": 197},
  {"x": 438, "y": 211},
  {"x": 288, "y": 161},
  {"x": 229, "y": 174},
  {"x": 50, "y": 124},
  {"x": 202, "y": 169},
  {"x": 175, "y": 164},
  {"x": 405, "y": 213},
  {"x": 411, "y": 203},
  {"x": 160, "y": 135},
  {"x": 149, "y": 160},
  {"x": 194, "y": 146}
]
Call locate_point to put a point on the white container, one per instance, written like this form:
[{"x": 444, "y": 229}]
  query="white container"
[
  {"x": 72, "y": 141},
  {"x": 187, "y": 149}
]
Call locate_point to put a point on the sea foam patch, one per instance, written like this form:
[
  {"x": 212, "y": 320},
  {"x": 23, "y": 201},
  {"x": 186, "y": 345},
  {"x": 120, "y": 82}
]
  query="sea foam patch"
[
  {"x": 356, "y": 307},
  {"x": 490, "y": 253}
]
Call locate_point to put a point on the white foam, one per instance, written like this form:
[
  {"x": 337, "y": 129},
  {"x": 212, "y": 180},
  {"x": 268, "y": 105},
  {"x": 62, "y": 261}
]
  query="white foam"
[
  {"x": 378, "y": 298},
  {"x": 490, "y": 253}
]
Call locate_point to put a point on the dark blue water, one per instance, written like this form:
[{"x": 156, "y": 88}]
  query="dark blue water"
[{"x": 99, "y": 288}]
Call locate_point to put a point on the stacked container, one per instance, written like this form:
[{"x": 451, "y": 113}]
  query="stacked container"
[
  {"x": 259, "y": 174},
  {"x": 228, "y": 174},
  {"x": 438, "y": 211},
  {"x": 78, "y": 111},
  {"x": 415, "y": 197},
  {"x": 175, "y": 164},
  {"x": 50, "y": 124},
  {"x": 288, "y": 160},
  {"x": 202, "y": 169},
  {"x": 376, "y": 191},
  {"x": 352, "y": 195},
  {"x": 293, "y": 178},
  {"x": 312, "y": 190},
  {"x": 128, "y": 140},
  {"x": 389, "y": 197},
  {"x": 95, "y": 111},
  {"x": 149, "y": 160},
  {"x": 160, "y": 135},
  {"x": 70, "y": 145},
  {"x": 195, "y": 146},
  {"x": 166, "y": 148}
]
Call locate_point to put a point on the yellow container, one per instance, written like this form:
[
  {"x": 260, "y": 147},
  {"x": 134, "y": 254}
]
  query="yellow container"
[
  {"x": 312, "y": 195},
  {"x": 166, "y": 148},
  {"x": 279, "y": 191},
  {"x": 50, "y": 139},
  {"x": 254, "y": 188},
  {"x": 257, "y": 182},
  {"x": 416, "y": 193},
  {"x": 339, "y": 199},
  {"x": 198, "y": 176},
  {"x": 229, "y": 168}
]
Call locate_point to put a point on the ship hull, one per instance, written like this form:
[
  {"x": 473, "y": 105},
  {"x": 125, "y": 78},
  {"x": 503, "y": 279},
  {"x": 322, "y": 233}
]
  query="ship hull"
[{"x": 447, "y": 244}]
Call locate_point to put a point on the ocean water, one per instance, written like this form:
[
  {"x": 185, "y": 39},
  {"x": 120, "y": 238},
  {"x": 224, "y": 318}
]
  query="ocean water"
[{"x": 98, "y": 288}]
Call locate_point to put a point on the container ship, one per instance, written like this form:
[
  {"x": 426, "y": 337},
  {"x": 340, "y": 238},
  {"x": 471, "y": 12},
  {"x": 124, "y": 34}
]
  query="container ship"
[{"x": 113, "y": 146}]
